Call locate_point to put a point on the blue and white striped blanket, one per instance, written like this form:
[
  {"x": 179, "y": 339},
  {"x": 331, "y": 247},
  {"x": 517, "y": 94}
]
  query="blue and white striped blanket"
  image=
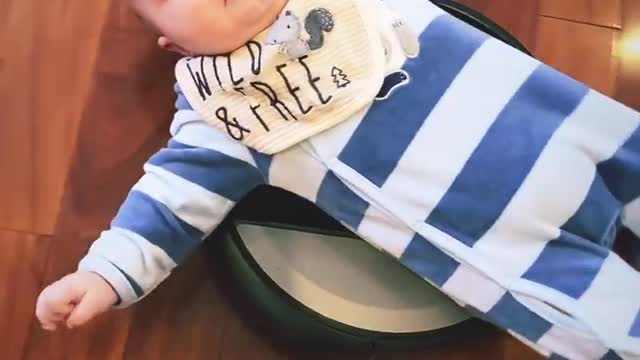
[{"x": 494, "y": 177}]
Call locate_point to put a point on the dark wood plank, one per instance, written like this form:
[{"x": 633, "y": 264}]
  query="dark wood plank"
[
  {"x": 579, "y": 50},
  {"x": 103, "y": 339},
  {"x": 518, "y": 18},
  {"x": 596, "y": 12},
  {"x": 46, "y": 65},
  {"x": 22, "y": 263},
  {"x": 127, "y": 120},
  {"x": 514, "y": 349},
  {"x": 489, "y": 345},
  {"x": 189, "y": 317}
]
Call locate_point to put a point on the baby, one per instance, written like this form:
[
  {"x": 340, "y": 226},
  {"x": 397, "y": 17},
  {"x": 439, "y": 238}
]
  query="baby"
[{"x": 490, "y": 175}]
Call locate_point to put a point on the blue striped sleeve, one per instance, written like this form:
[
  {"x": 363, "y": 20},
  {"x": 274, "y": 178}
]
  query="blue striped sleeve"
[
  {"x": 185, "y": 193},
  {"x": 156, "y": 223},
  {"x": 215, "y": 171}
]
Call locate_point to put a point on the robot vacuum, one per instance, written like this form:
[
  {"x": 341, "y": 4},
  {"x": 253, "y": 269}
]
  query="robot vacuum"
[{"x": 319, "y": 284}]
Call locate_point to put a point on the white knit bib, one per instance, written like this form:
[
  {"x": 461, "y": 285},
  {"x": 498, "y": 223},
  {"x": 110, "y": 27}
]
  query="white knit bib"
[{"x": 316, "y": 66}]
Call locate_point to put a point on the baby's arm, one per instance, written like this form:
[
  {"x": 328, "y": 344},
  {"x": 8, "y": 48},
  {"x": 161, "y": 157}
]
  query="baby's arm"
[{"x": 187, "y": 190}]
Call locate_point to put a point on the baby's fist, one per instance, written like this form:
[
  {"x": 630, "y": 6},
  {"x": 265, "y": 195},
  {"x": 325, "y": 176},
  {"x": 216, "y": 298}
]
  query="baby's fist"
[{"x": 75, "y": 299}]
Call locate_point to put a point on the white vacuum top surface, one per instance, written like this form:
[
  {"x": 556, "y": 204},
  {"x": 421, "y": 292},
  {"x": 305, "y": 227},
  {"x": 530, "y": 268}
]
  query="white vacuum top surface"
[{"x": 349, "y": 281}]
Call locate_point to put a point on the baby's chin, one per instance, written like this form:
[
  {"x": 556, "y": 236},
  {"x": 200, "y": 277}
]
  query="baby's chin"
[{"x": 222, "y": 47}]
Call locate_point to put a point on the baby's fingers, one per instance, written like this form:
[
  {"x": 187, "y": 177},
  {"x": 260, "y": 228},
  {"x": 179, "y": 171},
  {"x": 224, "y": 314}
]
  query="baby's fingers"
[
  {"x": 54, "y": 304},
  {"x": 94, "y": 303},
  {"x": 74, "y": 299},
  {"x": 52, "y": 321},
  {"x": 49, "y": 326},
  {"x": 48, "y": 319}
]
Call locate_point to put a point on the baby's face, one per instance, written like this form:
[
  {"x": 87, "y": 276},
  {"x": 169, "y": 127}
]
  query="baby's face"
[{"x": 207, "y": 27}]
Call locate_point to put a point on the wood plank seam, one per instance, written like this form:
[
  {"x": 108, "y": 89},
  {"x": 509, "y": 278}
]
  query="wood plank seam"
[
  {"x": 581, "y": 22},
  {"x": 25, "y": 232}
]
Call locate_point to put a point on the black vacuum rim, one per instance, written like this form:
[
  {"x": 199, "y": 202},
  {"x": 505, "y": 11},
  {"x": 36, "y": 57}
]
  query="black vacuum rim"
[{"x": 303, "y": 325}]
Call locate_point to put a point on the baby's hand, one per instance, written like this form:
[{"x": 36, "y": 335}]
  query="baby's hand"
[{"x": 74, "y": 299}]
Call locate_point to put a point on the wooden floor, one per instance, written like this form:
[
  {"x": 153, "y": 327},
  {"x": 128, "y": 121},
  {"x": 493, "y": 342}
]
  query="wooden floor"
[{"x": 85, "y": 98}]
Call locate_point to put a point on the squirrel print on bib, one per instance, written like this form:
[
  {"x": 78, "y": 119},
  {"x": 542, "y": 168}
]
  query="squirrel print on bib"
[{"x": 287, "y": 32}]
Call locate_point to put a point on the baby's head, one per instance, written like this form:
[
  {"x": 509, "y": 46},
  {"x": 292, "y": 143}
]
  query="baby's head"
[{"x": 207, "y": 27}]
